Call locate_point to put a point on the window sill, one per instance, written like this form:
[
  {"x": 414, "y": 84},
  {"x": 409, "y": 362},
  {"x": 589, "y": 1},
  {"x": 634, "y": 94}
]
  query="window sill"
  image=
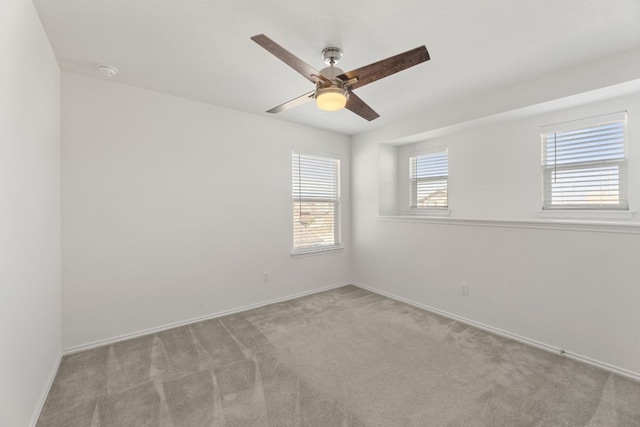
[
  {"x": 601, "y": 226},
  {"x": 313, "y": 252},
  {"x": 586, "y": 214}
]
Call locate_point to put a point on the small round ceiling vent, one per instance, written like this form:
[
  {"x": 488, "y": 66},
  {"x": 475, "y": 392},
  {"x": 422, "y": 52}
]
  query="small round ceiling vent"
[{"x": 107, "y": 70}]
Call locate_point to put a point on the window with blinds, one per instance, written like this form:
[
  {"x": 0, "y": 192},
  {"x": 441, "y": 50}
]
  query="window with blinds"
[
  {"x": 428, "y": 180},
  {"x": 584, "y": 164},
  {"x": 316, "y": 202}
]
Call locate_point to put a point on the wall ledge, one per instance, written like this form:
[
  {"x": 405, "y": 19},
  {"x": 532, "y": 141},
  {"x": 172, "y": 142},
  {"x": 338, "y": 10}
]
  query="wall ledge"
[{"x": 565, "y": 225}]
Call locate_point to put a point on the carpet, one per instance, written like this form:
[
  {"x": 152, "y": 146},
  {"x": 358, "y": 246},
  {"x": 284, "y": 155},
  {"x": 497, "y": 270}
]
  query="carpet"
[{"x": 344, "y": 357}]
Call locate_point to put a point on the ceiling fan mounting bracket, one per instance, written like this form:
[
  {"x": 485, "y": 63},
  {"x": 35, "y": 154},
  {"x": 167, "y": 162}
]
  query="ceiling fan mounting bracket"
[{"x": 331, "y": 55}]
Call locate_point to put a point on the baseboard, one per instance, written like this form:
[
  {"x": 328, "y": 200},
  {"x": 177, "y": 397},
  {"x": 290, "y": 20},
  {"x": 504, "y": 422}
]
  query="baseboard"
[
  {"x": 45, "y": 393},
  {"x": 100, "y": 343},
  {"x": 479, "y": 325},
  {"x": 501, "y": 332}
]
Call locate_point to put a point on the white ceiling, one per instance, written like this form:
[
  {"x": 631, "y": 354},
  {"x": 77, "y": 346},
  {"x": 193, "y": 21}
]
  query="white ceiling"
[{"x": 200, "y": 49}]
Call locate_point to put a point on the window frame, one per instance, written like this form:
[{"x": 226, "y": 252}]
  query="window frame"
[
  {"x": 337, "y": 204},
  {"x": 413, "y": 187},
  {"x": 547, "y": 170}
]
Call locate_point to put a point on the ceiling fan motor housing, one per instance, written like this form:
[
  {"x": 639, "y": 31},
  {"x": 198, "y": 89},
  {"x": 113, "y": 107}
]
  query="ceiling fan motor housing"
[
  {"x": 334, "y": 95},
  {"x": 332, "y": 73}
]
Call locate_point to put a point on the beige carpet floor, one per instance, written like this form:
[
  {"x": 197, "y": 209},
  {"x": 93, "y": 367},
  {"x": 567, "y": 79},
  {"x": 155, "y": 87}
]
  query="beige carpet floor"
[{"x": 345, "y": 358}]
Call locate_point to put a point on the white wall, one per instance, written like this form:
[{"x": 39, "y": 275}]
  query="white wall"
[
  {"x": 574, "y": 290},
  {"x": 173, "y": 209},
  {"x": 29, "y": 213}
]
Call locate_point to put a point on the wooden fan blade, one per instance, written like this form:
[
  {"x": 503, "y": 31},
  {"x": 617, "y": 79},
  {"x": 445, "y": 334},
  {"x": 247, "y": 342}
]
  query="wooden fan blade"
[
  {"x": 358, "y": 106},
  {"x": 386, "y": 67},
  {"x": 293, "y": 103},
  {"x": 287, "y": 57}
]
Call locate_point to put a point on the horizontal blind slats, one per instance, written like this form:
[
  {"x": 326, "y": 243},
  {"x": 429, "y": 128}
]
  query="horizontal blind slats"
[
  {"x": 590, "y": 139},
  {"x": 428, "y": 176},
  {"x": 585, "y": 167},
  {"x": 590, "y": 148},
  {"x": 314, "y": 177},
  {"x": 315, "y": 201}
]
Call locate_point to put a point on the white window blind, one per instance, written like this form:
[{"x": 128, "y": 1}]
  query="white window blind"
[
  {"x": 428, "y": 180},
  {"x": 584, "y": 166},
  {"x": 316, "y": 202}
]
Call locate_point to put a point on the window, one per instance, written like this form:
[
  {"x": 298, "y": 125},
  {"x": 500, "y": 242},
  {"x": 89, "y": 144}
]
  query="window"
[
  {"x": 316, "y": 202},
  {"x": 584, "y": 164},
  {"x": 428, "y": 180}
]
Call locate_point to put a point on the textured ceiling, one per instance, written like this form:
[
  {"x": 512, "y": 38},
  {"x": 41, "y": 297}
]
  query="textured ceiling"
[{"x": 200, "y": 49}]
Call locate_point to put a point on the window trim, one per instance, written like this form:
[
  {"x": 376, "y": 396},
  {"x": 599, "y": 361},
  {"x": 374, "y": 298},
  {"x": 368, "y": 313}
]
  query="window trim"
[
  {"x": 337, "y": 202},
  {"x": 597, "y": 211}
]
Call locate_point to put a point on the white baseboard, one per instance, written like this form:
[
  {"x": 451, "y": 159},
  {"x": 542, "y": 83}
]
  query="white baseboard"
[
  {"x": 519, "y": 338},
  {"x": 479, "y": 325},
  {"x": 107, "y": 341},
  {"x": 45, "y": 392}
]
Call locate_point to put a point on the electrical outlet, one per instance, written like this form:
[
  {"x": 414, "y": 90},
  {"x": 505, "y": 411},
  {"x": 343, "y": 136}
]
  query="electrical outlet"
[
  {"x": 265, "y": 276},
  {"x": 464, "y": 289}
]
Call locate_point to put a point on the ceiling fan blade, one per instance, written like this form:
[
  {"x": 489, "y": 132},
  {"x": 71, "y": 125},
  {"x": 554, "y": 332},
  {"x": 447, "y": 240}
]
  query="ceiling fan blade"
[
  {"x": 293, "y": 103},
  {"x": 287, "y": 57},
  {"x": 358, "y": 106},
  {"x": 386, "y": 67}
]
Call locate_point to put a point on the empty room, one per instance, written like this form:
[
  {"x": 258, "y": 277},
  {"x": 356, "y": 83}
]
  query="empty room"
[{"x": 271, "y": 213}]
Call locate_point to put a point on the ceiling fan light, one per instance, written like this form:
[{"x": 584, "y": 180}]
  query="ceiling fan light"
[{"x": 331, "y": 98}]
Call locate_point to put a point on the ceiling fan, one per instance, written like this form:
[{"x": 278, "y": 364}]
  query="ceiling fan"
[{"x": 334, "y": 87}]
